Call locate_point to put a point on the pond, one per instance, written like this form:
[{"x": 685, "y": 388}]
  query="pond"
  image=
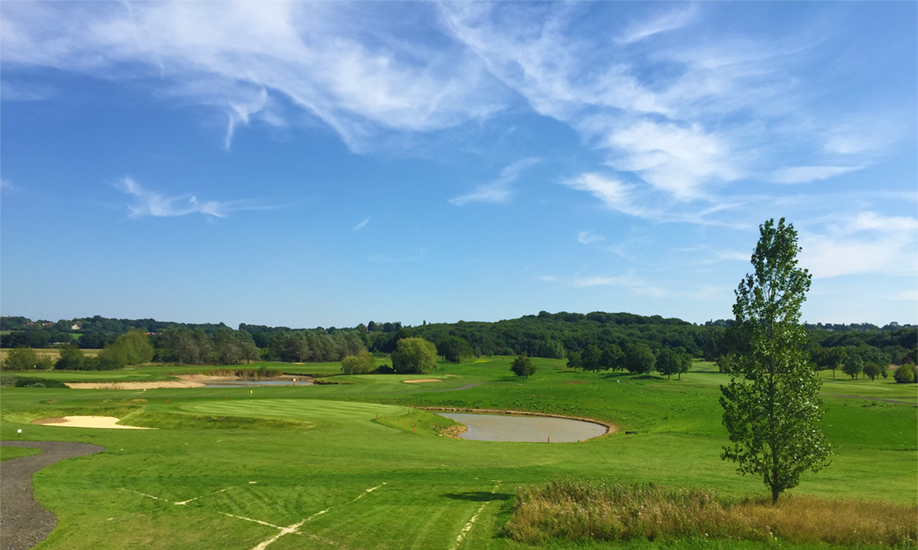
[{"x": 501, "y": 427}]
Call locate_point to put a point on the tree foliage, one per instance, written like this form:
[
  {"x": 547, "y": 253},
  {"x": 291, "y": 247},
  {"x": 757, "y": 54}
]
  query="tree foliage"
[
  {"x": 671, "y": 362},
  {"x": 905, "y": 374},
  {"x": 362, "y": 363},
  {"x": 522, "y": 366},
  {"x": 21, "y": 358},
  {"x": 639, "y": 359},
  {"x": 414, "y": 356},
  {"x": 453, "y": 348},
  {"x": 771, "y": 406}
]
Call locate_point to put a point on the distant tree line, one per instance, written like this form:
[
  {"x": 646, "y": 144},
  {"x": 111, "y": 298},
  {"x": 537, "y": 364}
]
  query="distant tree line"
[{"x": 602, "y": 340}]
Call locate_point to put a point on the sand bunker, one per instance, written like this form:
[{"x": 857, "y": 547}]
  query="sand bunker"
[
  {"x": 135, "y": 385},
  {"x": 86, "y": 422},
  {"x": 422, "y": 381},
  {"x": 193, "y": 381}
]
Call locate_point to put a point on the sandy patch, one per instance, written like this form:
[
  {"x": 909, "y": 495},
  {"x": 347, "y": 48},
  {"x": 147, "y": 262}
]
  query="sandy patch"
[
  {"x": 135, "y": 385},
  {"x": 422, "y": 381},
  {"x": 86, "y": 422},
  {"x": 184, "y": 381}
]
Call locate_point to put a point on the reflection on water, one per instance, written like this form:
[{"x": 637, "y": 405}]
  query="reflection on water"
[{"x": 496, "y": 427}]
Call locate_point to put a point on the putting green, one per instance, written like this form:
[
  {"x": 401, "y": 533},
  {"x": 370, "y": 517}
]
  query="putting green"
[{"x": 299, "y": 410}]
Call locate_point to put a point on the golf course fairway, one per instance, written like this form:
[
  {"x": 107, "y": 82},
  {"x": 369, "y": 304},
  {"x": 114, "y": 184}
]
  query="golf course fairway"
[{"x": 358, "y": 465}]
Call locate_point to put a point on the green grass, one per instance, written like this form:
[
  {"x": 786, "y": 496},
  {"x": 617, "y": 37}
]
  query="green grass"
[
  {"x": 9, "y": 453},
  {"x": 319, "y": 448}
]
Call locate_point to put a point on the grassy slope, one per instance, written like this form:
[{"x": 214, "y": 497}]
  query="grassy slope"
[{"x": 308, "y": 454}]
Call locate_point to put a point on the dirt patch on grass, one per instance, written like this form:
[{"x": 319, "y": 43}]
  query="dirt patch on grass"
[
  {"x": 421, "y": 381},
  {"x": 454, "y": 431},
  {"x": 85, "y": 422}
]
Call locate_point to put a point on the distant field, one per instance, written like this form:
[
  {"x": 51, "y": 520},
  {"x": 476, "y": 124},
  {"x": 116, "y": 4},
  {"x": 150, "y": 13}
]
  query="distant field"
[
  {"x": 51, "y": 353},
  {"x": 358, "y": 465}
]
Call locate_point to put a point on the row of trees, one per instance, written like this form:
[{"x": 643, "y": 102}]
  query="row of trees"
[
  {"x": 635, "y": 358},
  {"x": 544, "y": 335}
]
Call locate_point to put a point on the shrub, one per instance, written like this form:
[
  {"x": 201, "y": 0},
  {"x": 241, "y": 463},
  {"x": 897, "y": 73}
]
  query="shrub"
[
  {"x": 362, "y": 363},
  {"x": 21, "y": 358},
  {"x": 905, "y": 374}
]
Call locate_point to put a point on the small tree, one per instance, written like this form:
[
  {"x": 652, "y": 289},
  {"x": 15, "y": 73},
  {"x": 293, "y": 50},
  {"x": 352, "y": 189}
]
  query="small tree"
[
  {"x": 612, "y": 358},
  {"x": 361, "y": 363},
  {"x": 771, "y": 406},
  {"x": 639, "y": 359},
  {"x": 905, "y": 374},
  {"x": 874, "y": 370},
  {"x": 522, "y": 366},
  {"x": 575, "y": 360},
  {"x": 590, "y": 358},
  {"x": 21, "y": 358},
  {"x": 671, "y": 362},
  {"x": 71, "y": 358},
  {"x": 453, "y": 349},
  {"x": 414, "y": 356},
  {"x": 854, "y": 365}
]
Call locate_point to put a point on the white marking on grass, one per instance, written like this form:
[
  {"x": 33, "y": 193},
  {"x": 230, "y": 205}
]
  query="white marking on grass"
[
  {"x": 284, "y": 531},
  {"x": 468, "y": 526},
  {"x": 253, "y": 520},
  {"x": 368, "y": 491},
  {"x": 141, "y": 494},
  {"x": 184, "y": 502}
]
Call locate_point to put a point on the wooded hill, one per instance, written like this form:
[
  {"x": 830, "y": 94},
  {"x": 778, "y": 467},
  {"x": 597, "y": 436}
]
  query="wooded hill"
[{"x": 543, "y": 335}]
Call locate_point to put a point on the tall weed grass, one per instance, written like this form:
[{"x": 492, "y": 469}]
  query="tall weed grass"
[
  {"x": 246, "y": 374},
  {"x": 576, "y": 510}
]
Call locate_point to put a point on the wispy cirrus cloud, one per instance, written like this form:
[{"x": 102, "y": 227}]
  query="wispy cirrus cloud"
[
  {"x": 588, "y": 237},
  {"x": 329, "y": 61},
  {"x": 635, "y": 285},
  {"x": 499, "y": 190},
  {"x": 153, "y": 203},
  {"x": 361, "y": 225},
  {"x": 807, "y": 174},
  {"x": 666, "y": 21}
]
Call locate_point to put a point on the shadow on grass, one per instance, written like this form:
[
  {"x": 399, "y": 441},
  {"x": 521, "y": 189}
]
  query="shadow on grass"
[{"x": 478, "y": 496}]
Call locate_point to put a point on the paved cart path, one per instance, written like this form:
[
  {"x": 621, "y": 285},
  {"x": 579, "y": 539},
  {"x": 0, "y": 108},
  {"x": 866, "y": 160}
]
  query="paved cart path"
[{"x": 23, "y": 522}]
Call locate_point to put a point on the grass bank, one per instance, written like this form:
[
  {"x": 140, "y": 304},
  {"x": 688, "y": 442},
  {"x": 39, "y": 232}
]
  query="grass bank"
[{"x": 577, "y": 510}]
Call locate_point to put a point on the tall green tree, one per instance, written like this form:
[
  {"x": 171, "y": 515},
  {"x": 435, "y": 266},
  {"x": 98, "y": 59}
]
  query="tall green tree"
[
  {"x": 771, "y": 406},
  {"x": 671, "y": 362},
  {"x": 414, "y": 356},
  {"x": 639, "y": 359},
  {"x": 575, "y": 360}
]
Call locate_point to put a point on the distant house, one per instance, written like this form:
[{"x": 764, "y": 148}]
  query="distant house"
[
  {"x": 77, "y": 326},
  {"x": 48, "y": 324}
]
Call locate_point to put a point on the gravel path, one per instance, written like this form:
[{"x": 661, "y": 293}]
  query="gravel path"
[{"x": 23, "y": 522}]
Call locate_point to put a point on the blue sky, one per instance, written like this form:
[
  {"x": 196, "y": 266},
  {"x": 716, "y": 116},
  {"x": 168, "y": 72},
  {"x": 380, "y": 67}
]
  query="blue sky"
[{"x": 307, "y": 164}]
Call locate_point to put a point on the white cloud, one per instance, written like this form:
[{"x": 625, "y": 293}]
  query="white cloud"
[
  {"x": 587, "y": 237},
  {"x": 152, "y": 203},
  {"x": 613, "y": 193},
  {"x": 361, "y": 225},
  {"x": 633, "y": 284},
  {"x": 665, "y": 22},
  {"x": 499, "y": 190},
  {"x": 6, "y": 185},
  {"x": 865, "y": 243},
  {"x": 324, "y": 59},
  {"x": 806, "y": 174},
  {"x": 675, "y": 159}
]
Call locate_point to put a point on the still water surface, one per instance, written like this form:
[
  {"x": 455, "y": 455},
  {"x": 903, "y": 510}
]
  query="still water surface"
[{"x": 499, "y": 427}]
